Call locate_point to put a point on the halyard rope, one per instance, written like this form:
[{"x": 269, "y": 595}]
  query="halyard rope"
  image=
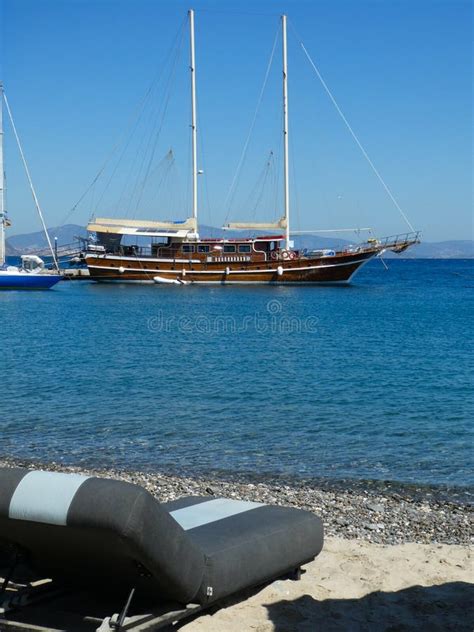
[{"x": 353, "y": 134}]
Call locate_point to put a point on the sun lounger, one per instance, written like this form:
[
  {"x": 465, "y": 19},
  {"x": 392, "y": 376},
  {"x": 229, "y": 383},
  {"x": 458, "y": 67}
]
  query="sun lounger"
[{"x": 114, "y": 537}]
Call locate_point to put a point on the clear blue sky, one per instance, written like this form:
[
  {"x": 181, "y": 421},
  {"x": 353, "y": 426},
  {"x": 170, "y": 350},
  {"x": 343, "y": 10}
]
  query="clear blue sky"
[{"x": 75, "y": 70}]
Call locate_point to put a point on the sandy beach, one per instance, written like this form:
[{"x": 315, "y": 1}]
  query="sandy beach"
[{"x": 358, "y": 586}]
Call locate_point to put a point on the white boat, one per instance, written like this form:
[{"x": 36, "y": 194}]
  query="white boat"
[{"x": 32, "y": 273}]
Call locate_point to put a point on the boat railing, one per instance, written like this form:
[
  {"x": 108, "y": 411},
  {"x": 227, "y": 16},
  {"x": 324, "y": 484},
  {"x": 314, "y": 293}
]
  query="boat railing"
[
  {"x": 400, "y": 240},
  {"x": 63, "y": 250},
  {"x": 124, "y": 251}
]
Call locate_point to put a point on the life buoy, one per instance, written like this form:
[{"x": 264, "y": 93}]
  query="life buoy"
[
  {"x": 292, "y": 254},
  {"x": 285, "y": 254},
  {"x": 274, "y": 255}
]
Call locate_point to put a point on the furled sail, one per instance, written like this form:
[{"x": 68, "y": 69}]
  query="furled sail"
[
  {"x": 140, "y": 227},
  {"x": 280, "y": 225}
]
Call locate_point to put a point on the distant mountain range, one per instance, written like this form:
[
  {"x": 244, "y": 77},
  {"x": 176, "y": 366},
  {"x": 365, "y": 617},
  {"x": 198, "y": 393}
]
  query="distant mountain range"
[
  {"x": 28, "y": 242},
  {"x": 454, "y": 249},
  {"x": 67, "y": 234}
]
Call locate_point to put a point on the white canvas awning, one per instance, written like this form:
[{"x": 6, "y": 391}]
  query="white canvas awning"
[
  {"x": 280, "y": 225},
  {"x": 143, "y": 227}
]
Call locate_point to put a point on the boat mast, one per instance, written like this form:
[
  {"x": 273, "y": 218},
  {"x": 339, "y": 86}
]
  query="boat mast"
[
  {"x": 30, "y": 181},
  {"x": 193, "y": 113},
  {"x": 285, "y": 135},
  {"x": 2, "y": 185}
]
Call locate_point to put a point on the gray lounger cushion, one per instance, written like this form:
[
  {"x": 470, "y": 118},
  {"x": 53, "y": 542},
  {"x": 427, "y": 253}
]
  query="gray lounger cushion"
[
  {"x": 194, "y": 549},
  {"x": 254, "y": 543}
]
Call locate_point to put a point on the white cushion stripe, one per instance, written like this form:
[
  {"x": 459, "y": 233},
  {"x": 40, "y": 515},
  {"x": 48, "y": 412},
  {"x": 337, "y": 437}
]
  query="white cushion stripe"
[
  {"x": 45, "y": 497},
  {"x": 210, "y": 511}
]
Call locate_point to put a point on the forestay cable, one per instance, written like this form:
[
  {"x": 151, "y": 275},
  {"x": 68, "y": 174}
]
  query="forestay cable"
[
  {"x": 353, "y": 134},
  {"x": 30, "y": 181}
]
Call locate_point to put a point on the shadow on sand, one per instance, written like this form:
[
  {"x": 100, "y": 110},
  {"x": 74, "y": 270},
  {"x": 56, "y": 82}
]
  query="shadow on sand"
[{"x": 440, "y": 608}]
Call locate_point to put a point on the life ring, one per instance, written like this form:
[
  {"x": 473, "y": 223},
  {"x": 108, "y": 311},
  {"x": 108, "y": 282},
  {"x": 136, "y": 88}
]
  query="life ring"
[
  {"x": 292, "y": 254},
  {"x": 285, "y": 254}
]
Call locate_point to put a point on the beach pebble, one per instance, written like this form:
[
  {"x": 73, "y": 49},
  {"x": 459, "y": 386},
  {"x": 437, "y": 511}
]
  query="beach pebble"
[
  {"x": 373, "y": 527},
  {"x": 376, "y": 507}
]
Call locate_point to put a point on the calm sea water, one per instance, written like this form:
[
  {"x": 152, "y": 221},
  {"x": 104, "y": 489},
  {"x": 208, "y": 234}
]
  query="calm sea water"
[{"x": 370, "y": 381}]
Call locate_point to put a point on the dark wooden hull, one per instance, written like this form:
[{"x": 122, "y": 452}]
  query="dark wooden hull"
[{"x": 301, "y": 270}]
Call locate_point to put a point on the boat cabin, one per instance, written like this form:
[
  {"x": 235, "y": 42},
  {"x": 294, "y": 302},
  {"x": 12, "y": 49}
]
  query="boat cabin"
[{"x": 222, "y": 250}]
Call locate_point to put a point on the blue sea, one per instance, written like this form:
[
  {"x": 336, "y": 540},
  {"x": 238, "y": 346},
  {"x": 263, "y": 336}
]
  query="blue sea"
[{"x": 367, "y": 382}]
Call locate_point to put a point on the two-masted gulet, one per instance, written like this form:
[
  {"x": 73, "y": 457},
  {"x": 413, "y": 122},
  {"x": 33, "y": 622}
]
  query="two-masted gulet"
[{"x": 178, "y": 255}]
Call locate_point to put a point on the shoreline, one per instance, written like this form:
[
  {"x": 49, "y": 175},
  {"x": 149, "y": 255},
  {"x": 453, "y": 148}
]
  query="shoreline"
[
  {"x": 371, "y": 511},
  {"x": 407, "y": 490}
]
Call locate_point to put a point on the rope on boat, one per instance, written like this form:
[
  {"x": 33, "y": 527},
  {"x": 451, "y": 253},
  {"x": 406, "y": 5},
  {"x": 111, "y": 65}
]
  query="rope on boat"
[
  {"x": 30, "y": 181},
  {"x": 353, "y": 134},
  {"x": 231, "y": 192},
  {"x": 129, "y": 127},
  {"x": 259, "y": 189},
  {"x": 148, "y": 143},
  {"x": 151, "y": 146}
]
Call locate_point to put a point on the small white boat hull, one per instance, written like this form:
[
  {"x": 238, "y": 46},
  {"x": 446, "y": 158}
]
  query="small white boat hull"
[{"x": 159, "y": 280}]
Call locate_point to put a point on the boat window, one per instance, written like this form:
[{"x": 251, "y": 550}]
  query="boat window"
[
  {"x": 203, "y": 248},
  {"x": 244, "y": 248},
  {"x": 229, "y": 248},
  {"x": 188, "y": 248}
]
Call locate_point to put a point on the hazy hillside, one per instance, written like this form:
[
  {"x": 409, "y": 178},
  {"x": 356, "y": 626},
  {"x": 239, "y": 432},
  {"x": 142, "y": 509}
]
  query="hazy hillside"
[
  {"x": 10, "y": 251},
  {"x": 66, "y": 234},
  {"x": 456, "y": 249}
]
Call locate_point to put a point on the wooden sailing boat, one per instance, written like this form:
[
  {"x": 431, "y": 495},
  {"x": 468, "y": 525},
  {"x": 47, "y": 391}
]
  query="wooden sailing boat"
[
  {"x": 31, "y": 275},
  {"x": 182, "y": 257}
]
